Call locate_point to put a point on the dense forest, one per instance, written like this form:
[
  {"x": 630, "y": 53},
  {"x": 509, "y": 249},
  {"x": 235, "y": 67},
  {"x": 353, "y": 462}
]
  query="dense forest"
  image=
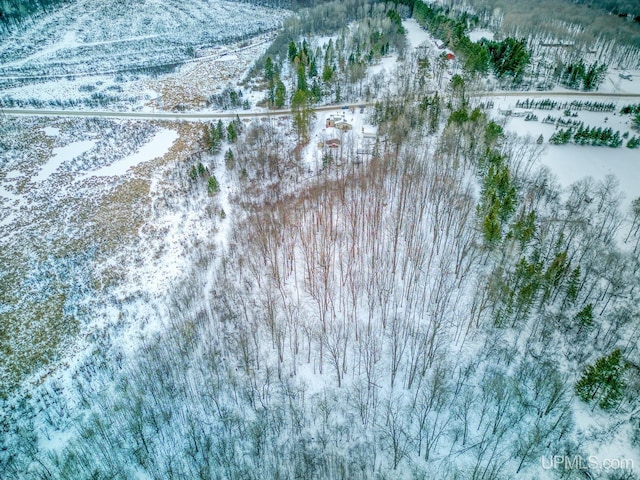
[
  {"x": 617, "y": 7},
  {"x": 560, "y": 18},
  {"x": 13, "y": 12}
]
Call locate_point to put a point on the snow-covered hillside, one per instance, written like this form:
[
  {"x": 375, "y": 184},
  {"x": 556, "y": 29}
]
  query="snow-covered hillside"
[{"x": 103, "y": 53}]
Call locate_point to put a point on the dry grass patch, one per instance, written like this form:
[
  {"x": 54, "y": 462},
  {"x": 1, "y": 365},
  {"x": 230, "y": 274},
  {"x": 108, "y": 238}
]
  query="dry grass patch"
[{"x": 69, "y": 243}]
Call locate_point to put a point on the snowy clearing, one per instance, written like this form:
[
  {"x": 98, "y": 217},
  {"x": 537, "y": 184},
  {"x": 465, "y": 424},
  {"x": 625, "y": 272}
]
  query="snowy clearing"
[
  {"x": 157, "y": 147},
  {"x": 479, "y": 34},
  {"x": 574, "y": 162},
  {"x": 61, "y": 155}
]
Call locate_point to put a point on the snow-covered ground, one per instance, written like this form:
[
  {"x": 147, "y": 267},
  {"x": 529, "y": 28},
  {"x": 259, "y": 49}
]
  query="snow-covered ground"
[
  {"x": 61, "y": 155},
  {"x": 82, "y": 188},
  {"x": 108, "y": 36},
  {"x": 615, "y": 83},
  {"x": 416, "y": 35},
  {"x": 157, "y": 147},
  {"x": 71, "y": 60},
  {"x": 479, "y": 34},
  {"x": 71, "y": 200},
  {"x": 573, "y": 162},
  {"x": 188, "y": 86}
]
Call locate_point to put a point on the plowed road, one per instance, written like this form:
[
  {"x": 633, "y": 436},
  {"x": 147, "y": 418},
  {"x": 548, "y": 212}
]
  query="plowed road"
[
  {"x": 161, "y": 115},
  {"x": 243, "y": 114}
]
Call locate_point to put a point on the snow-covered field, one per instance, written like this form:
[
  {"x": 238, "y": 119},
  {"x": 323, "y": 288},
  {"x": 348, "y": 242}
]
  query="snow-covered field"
[
  {"x": 71, "y": 199},
  {"x": 571, "y": 163},
  {"x": 479, "y": 34},
  {"x": 86, "y": 57},
  {"x": 615, "y": 83},
  {"x": 89, "y": 38}
]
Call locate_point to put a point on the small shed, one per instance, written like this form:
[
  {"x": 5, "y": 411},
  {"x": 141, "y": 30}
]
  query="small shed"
[
  {"x": 332, "y": 143},
  {"x": 343, "y": 125}
]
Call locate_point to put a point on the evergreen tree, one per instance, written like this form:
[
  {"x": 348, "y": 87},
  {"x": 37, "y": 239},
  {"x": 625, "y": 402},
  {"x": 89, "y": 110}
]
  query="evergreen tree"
[
  {"x": 316, "y": 91},
  {"x": 556, "y": 270},
  {"x": 313, "y": 69},
  {"x": 213, "y": 139},
  {"x": 491, "y": 227},
  {"x": 498, "y": 196},
  {"x": 525, "y": 228},
  {"x": 509, "y": 57},
  {"x": 293, "y": 51},
  {"x": 459, "y": 116},
  {"x": 280, "y": 94},
  {"x": 301, "y": 114},
  {"x": 220, "y": 130},
  {"x": 269, "y": 70},
  {"x": 229, "y": 159},
  {"x": 603, "y": 382},
  {"x": 560, "y": 137},
  {"x": 232, "y": 134},
  {"x": 573, "y": 286},
  {"x": 329, "y": 55},
  {"x": 327, "y": 73},
  {"x": 271, "y": 77},
  {"x": 593, "y": 76},
  {"x": 585, "y": 316},
  {"x": 302, "y": 78},
  {"x": 193, "y": 172},
  {"x": 492, "y": 133},
  {"x": 212, "y": 185}
]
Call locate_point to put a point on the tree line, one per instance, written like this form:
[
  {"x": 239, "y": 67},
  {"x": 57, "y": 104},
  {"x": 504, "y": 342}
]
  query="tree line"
[
  {"x": 13, "y": 12},
  {"x": 506, "y": 58},
  {"x": 590, "y": 106},
  {"x": 593, "y": 136}
]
